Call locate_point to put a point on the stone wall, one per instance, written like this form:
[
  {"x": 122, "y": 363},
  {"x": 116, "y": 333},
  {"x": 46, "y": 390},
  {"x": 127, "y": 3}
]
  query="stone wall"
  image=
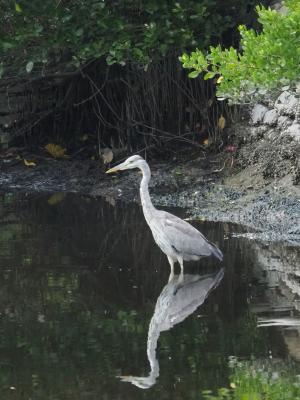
[
  {"x": 278, "y": 116},
  {"x": 268, "y": 137}
]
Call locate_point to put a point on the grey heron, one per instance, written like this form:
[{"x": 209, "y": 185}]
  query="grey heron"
[
  {"x": 179, "y": 240},
  {"x": 178, "y": 299}
]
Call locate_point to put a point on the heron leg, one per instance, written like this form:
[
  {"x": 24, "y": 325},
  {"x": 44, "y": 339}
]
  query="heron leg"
[
  {"x": 180, "y": 260},
  {"x": 171, "y": 262}
]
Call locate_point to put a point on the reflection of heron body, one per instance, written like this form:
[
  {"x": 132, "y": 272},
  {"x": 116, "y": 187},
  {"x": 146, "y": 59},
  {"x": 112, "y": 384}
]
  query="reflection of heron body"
[
  {"x": 178, "y": 299},
  {"x": 177, "y": 238}
]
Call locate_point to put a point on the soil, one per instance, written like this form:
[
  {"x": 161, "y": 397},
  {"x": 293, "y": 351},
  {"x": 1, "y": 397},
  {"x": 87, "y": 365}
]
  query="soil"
[{"x": 254, "y": 183}]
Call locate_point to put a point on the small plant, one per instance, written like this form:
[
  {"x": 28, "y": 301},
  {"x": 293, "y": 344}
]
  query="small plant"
[
  {"x": 267, "y": 59},
  {"x": 259, "y": 380}
]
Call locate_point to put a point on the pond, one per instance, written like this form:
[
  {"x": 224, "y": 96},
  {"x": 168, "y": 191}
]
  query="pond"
[{"x": 85, "y": 300}]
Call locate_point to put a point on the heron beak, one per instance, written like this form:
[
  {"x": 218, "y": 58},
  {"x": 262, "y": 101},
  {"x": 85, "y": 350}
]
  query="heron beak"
[
  {"x": 115, "y": 169},
  {"x": 111, "y": 170}
]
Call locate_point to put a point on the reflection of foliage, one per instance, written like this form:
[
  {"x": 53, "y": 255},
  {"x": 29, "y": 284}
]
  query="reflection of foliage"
[
  {"x": 260, "y": 380},
  {"x": 70, "y": 320},
  {"x": 58, "y": 336}
]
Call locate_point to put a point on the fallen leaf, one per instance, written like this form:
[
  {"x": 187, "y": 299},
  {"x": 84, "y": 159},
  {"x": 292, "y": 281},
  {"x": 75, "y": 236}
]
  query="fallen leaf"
[
  {"x": 29, "y": 163},
  {"x": 178, "y": 172},
  {"x": 107, "y": 155},
  {"x": 56, "y": 198},
  {"x": 219, "y": 80},
  {"x": 221, "y": 123},
  {"x": 56, "y": 151},
  {"x": 206, "y": 142}
]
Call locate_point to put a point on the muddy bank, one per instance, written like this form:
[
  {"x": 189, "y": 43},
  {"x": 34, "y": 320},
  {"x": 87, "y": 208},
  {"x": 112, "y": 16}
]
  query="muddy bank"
[
  {"x": 209, "y": 187},
  {"x": 253, "y": 181}
]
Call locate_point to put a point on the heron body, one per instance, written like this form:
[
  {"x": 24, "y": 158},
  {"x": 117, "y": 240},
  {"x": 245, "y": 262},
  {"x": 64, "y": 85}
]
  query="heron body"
[{"x": 179, "y": 240}]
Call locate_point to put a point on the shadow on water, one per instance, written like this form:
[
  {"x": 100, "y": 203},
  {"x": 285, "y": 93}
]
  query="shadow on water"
[{"x": 79, "y": 280}]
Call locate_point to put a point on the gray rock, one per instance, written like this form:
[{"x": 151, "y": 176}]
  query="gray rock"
[
  {"x": 272, "y": 134},
  {"x": 294, "y": 131},
  {"x": 258, "y": 113},
  {"x": 270, "y": 117},
  {"x": 284, "y": 122},
  {"x": 257, "y": 132},
  {"x": 287, "y": 104}
]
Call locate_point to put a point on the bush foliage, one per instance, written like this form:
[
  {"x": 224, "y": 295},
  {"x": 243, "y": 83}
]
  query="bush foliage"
[
  {"x": 267, "y": 59},
  {"x": 39, "y": 35}
]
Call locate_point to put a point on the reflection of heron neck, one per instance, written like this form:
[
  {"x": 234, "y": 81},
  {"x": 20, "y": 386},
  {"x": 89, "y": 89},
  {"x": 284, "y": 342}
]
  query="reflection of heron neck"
[
  {"x": 144, "y": 191},
  {"x": 153, "y": 335}
]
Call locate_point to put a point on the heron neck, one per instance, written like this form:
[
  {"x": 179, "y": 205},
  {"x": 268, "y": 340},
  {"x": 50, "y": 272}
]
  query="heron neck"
[{"x": 144, "y": 189}]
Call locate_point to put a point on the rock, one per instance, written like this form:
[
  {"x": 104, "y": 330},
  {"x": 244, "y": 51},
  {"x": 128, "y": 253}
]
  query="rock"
[
  {"x": 287, "y": 104},
  {"x": 258, "y": 131},
  {"x": 294, "y": 131},
  {"x": 279, "y": 7},
  {"x": 270, "y": 117},
  {"x": 272, "y": 134},
  {"x": 258, "y": 113},
  {"x": 283, "y": 122}
]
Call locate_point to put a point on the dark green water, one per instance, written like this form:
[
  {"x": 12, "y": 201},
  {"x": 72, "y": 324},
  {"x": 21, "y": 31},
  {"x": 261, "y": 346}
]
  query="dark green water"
[{"x": 79, "y": 282}]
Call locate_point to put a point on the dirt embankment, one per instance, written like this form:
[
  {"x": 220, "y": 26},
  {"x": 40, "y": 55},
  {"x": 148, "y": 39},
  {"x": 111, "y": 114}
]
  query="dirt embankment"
[{"x": 255, "y": 182}]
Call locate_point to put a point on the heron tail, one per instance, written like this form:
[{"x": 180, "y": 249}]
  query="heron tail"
[{"x": 216, "y": 252}]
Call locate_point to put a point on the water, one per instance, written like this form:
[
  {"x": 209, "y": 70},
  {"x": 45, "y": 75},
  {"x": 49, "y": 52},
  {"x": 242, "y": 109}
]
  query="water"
[{"x": 84, "y": 298}]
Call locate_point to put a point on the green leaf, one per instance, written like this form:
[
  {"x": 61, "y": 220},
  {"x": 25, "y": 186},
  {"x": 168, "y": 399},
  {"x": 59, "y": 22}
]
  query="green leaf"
[
  {"x": 18, "y": 8},
  {"x": 79, "y": 32},
  {"x": 209, "y": 75},
  {"x": 29, "y": 66},
  {"x": 7, "y": 46},
  {"x": 194, "y": 74}
]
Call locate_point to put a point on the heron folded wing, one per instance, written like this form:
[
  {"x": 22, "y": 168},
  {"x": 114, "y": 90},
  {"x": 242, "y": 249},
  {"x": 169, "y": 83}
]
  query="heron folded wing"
[{"x": 184, "y": 237}]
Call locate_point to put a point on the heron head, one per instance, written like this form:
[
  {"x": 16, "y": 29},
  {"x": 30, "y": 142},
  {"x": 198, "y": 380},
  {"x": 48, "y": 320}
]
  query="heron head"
[{"x": 130, "y": 163}]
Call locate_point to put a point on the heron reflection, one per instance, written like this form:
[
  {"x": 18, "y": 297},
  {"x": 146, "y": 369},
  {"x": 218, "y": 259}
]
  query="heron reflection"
[{"x": 178, "y": 299}]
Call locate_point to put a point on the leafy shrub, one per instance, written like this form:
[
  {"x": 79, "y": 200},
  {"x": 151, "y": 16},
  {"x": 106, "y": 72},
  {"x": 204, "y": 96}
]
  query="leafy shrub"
[
  {"x": 38, "y": 35},
  {"x": 266, "y": 60}
]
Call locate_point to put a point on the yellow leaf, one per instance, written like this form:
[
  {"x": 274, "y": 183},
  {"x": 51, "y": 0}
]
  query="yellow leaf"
[
  {"x": 206, "y": 142},
  {"x": 56, "y": 198},
  {"x": 18, "y": 8},
  {"x": 56, "y": 150},
  {"x": 219, "y": 80},
  {"x": 29, "y": 163},
  {"x": 221, "y": 123}
]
